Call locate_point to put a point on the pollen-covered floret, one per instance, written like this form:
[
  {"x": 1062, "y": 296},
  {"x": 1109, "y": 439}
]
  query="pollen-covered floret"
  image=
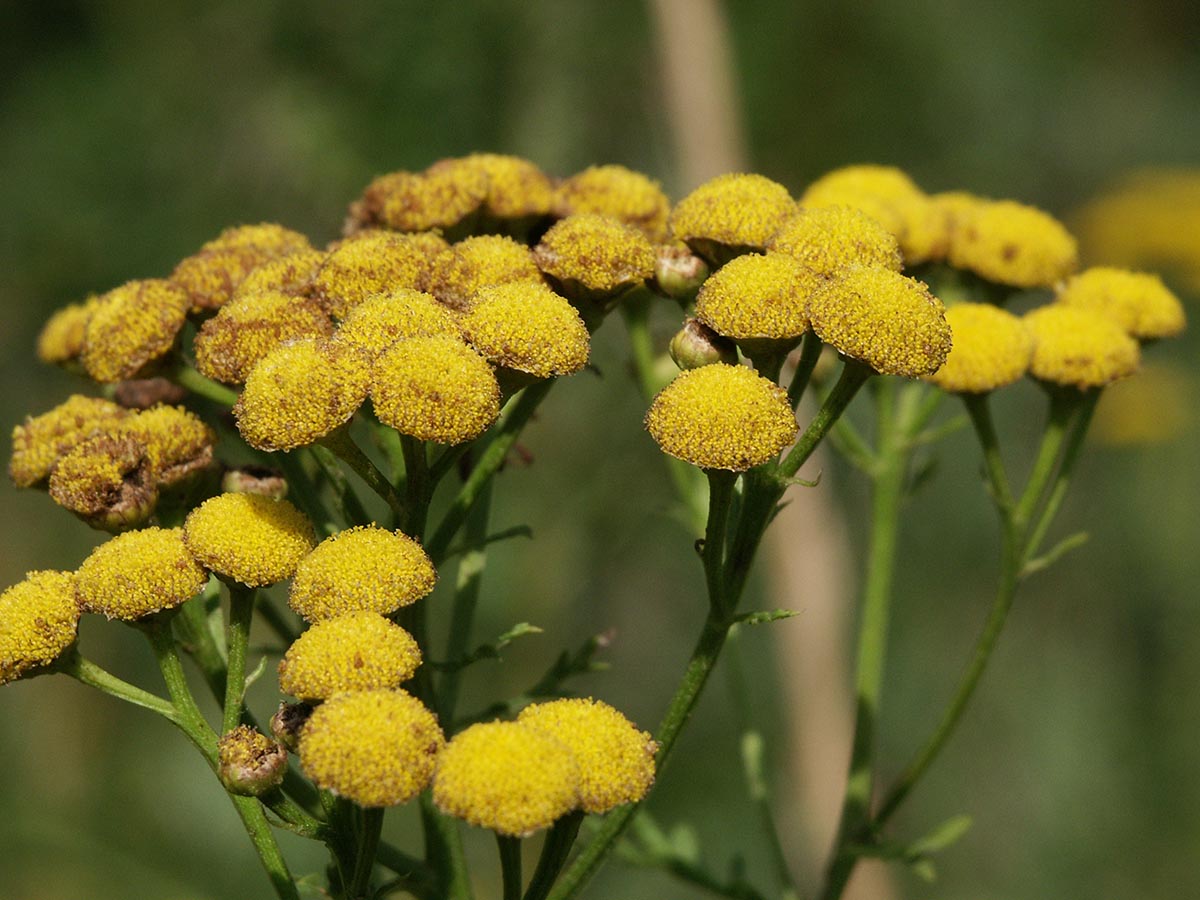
[
  {"x": 992, "y": 348},
  {"x": 617, "y": 192},
  {"x": 371, "y": 262},
  {"x": 478, "y": 262},
  {"x": 361, "y": 569},
  {"x": 1010, "y": 243},
  {"x": 38, "y": 621},
  {"x": 1137, "y": 301},
  {"x": 377, "y": 323},
  {"x": 529, "y": 328},
  {"x": 1079, "y": 348},
  {"x": 376, "y": 748},
  {"x": 506, "y": 776},
  {"x": 598, "y": 252},
  {"x": 291, "y": 274},
  {"x": 880, "y": 317},
  {"x": 249, "y": 538},
  {"x": 435, "y": 389},
  {"x": 300, "y": 392},
  {"x": 356, "y": 652},
  {"x": 177, "y": 442},
  {"x": 245, "y": 330},
  {"x": 615, "y": 760},
  {"x": 516, "y": 188},
  {"x": 39, "y": 443},
  {"x": 736, "y": 211},
  {"x": 830, "y": 238},
  {"x": 722, "y": 417},
  {"x": 131, "y": 326},
  {"x": 138, "y": 573},
  {"x": 249, "y": 763},
  {"x": 61, "y": 338},
  {"x": 211, "y": 275},
  {"x": 440, "y": 197},
  {"x": 757, "y": 296},
  {"x": 107, "y": 481}
]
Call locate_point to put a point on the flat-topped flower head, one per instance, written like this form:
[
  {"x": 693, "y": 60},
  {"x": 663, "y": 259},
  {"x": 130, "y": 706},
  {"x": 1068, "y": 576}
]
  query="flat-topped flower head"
[
  {"x": 177, "y": 442},
  {"x": 1013, "y": 244},
  {"x": 39, "y": 617},
  {"x": 139, "y": 573},
  {"x": 300, "y": 392},
  {"x": 1079, "y": 348},
  {"x": 730, "y": 215},
  {"x": 291, "y": 274},
  {"x": 360, "y": 651},
  {"x": 375, "y": 748},
  {"x": 722, "y": 417},
  {"x": 1137, "y": 301},
  {"x": 615, "y": 760},
  {"x": 516, "y": 188},
  {"x": 249, "y": 538},
  {"x": 131, "y": 327},
  {"x": 380, "y": 321},
  {"x": 210, "y": 276},
  {"x": 61, "y": 338},
  {"x": 529, "y": 328},
  {"x": 442, "y": 196},
  {"x": 361, "y": 569},
  {"x": 372, "y": 262},
  {"x": 107, "y": 481},
  {"x": 593, "y": 255},
  {"x": 478, "y": 262},
  {"x": 828, "y": 239},
  {"x": 245, "y": 330},
  {"x": 435, "y": 389},
  {"x": 619, "y": 193},
  {"x": 39, "y": 442},
  {"x": 884, "y": 319},
  {"x": 757, "y": 296},
  {"x": 506, "y": 776},
  {"x": 992, "y": 348}
]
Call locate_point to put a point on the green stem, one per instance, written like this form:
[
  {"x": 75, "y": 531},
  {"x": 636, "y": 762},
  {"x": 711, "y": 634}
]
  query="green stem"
[
  {"x": 417, "y": 485},
  {"x": 555, "y": 850},
  {"x": 187, "y": 377},
  {"x": 1074, "y": 442},
  {"x": 810, "y": 352},
  {"x": 340, "y": 442},
  {"x": 241, "y": 611},
  {"x": 854, "y": 376},
  {"x": 87, "y": 672},
  {"x": 980, "y": 411},
  {"x": 510, "y": 865},
  {"x": 444, "y": 852},
  {"x": 348, "y": 503},
  {"x": 1063, "y": 403},
  {"x": 720, "y": 496},
  {"x": 364, "y": 858}
]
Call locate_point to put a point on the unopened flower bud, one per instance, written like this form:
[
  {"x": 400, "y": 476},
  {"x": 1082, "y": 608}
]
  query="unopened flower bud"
[
  {"x": 287, "y": 722},
  {"x": 255, "y": 480},
  {"x": 678, "y": 272},
  {"x": 697, "y": 345},
  {"x": 249, "y": 762}
]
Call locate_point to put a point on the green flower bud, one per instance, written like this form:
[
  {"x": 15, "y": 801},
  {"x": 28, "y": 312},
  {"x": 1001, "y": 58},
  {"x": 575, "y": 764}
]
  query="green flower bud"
[
  {"x": 678, "y": 273},
  {"x": 697, "y": 345}
]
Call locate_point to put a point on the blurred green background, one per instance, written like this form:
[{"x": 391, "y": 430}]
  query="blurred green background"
[{"x": 133, "y": 132}]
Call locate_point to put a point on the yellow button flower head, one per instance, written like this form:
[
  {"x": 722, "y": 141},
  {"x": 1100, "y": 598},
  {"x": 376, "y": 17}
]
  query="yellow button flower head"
[
  {"x": 371, "y": 262},
  {"x": 248, "y": 328},
  {"x": 476, "y": 263},
  {"x": 619, "y": 193},
  {"x": 43, "y": 439},
  {"x": 722, "y": 417},
  {"x": 362, "y": 569},
  {"x": 757, "y": 296},
  {"x": 880, "y": 317},
  {"x": 1139, "y": 302},
  {"x": 139, "y": 573},
  {"x": 106, "y": 481},
  {"x": 377, "y": 323},
  {"x": 1079, "y": 348},
  {"x": 61, "y": 338},
  {"x": 615, "y": 760},
  {"x": 376, "y": 748},
  {"x": 356, "y": 652},
  {"x": 992, "y": 348},
  {"x": 730, "y": 215},
  {"x": 291, "y": 274},
  {"x": 177, "y": 442},
  {"x": 249, "y": 538},
  {"x": 442, "y": 196},
  {"x": 300, "y": 392},
  {"x": 38, "y": 621},
  {"x": 131, "y": 326},
  {"x": 830, "y": 238},
  {"x": 1010, "y": 243},
  {"x": 597, "y": 253},
  {"x": 507, "y": 777},
  {"x": 435, "y": 389},
  {"x": 529, "y": 328},
  {"x": 516, "y": 188},
  {"x": 211, "y": 276}
]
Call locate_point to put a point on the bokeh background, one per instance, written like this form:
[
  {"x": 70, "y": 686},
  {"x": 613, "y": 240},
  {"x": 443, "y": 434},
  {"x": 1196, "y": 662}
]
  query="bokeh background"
[{"x": 130, "y": 133}]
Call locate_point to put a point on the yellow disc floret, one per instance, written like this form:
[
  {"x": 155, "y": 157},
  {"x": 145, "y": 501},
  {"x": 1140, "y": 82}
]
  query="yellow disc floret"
[
  {"x": 735, "y": 211},
  {"x": 435, "y": 389},
  {"x": 1137, "y": 301},
  {"x": 131, "y": 326},
  {"x": 250, "y": 538},
  {"x": 138, "y": 573},
  {"x": 506, "y": 776},
  {"x": 301, "y": 392},
  {"x": 1010, "y": 243},
  {"x": 757, "y": 296},
  {"x": 61, "y": 338},
  {"x": 291, "y": 274},
  {"x": 992, "y": 348},
  {"x": 529, "y": 328},
  {"x": 376, "y": 748},
  {"x": 1079, "y": 348},
  {"x": 598, "y": 252},
  {"x": 211, "y": 275},
  {"x": 177, "y": 442},
  {"x": 39, "y": 443},
  {"x": 38, "y": 621},
  {"x": 377, "y": 323},
  {"x": 620, "y": 193},
  {"x": 516, "y": 188},
  {"x": 440, "y": 197},
  {"x": 831, "y": 238},
  {"x": 615, "y": 760},
  {"x": 479, "y": 262},
  {"x": 355, "y": 652},
  {"x": 372, "y": 262},
  {"x": 722, "y": 417}
]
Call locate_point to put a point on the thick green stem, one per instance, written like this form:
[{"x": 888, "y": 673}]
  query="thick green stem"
[
  {"x": 444, "y": 852},
  {"x": 364, "y": 857},
  {"x": 237, "y": 642},
  {"x": 555, "y": 851},
  {"x": 810, "y": 352},
  {"x": 510, "y": 865},
  {"x": 187, "y": 377},
  {"x": 340, "y": 442},
  {"x": 854, "y": 376},
  {"x": 418, "y": 487},
  {"x": 720, "y": 496}
]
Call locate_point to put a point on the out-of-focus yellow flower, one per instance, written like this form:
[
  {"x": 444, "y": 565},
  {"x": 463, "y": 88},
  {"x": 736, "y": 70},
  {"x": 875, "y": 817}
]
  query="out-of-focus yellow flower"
[
  {"x": 516, "y": 188},
  {"x": 992, "y": 348},
  {"x": 210, "y": 276},
  {"x": 1153, "y": 408},
  {"x": 1139, "y": 302},
  {"x": 249, "y": 538},
  {"x": 132, "y": 326},
  {"x": 39, "y": 617},
  {"x": 1013, "y": 244},
  {"x": 61, "y": 338},
  {"x": 1079, "y": 348},
  {"x": 139, "y": 573},
  {"x": 442, "y": 196},
  {"x": 617, "y": 192}
]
